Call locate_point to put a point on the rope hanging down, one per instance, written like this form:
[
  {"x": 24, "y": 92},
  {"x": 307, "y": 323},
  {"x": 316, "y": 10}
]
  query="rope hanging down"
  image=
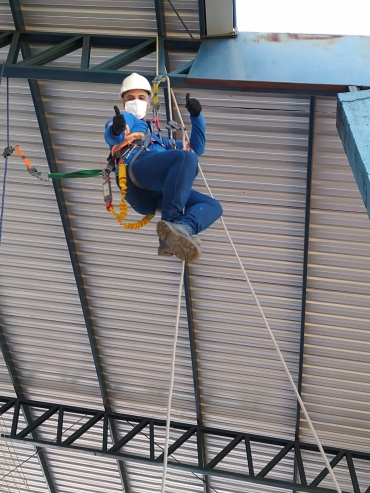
[
  {"x": 6, "y": 157},
  {"x": 169, "y": 403},
  {"x": 303, "y": 407}
]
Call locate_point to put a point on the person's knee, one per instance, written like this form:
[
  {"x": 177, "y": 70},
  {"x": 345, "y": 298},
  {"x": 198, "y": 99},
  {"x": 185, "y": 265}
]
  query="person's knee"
[
  {"x": 185, "y": 161},
  {"x": 191, "y": 160},
  {"x": 218, "y": 211}
]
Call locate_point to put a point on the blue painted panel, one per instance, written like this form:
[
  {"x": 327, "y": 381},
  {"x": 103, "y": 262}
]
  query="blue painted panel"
[
  {"x": 353, "y": 124},
  {"x": 286, "y": 59}
]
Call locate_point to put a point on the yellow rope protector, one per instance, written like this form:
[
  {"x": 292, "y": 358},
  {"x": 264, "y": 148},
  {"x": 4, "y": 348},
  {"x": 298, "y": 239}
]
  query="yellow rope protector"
[{"x": 122, "y": 180}]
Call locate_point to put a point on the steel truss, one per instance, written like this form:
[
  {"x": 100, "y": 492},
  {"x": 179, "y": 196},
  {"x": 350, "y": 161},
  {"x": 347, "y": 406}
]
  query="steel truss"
[
  {"x": 133, "y": 48},
  {"x": 152, "y": 428}
]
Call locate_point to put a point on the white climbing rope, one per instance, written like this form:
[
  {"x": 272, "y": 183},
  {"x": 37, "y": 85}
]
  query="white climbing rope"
[
  {"x": 303, "y": 407},
  {"x": 169, "y": 403}
]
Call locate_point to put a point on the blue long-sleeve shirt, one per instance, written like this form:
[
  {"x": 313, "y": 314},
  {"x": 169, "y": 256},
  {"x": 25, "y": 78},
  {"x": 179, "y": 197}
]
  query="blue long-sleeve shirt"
[{"x": 197, "y": 137}]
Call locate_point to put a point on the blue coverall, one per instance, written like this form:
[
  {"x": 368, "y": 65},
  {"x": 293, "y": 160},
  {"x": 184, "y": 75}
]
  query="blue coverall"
[{"x": 168, "y": 176}]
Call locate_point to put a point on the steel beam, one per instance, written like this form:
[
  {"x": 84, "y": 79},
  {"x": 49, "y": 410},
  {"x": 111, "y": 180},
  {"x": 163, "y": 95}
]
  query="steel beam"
[
  {"x": 202, "y": 18},
  {"x": 59, "y": 194},
  {"x": 160, "y": 17},
  {"x": 129, "y": 56},
  {"x": 68, "y": 232},
  {"x": 146, "y": 454},
  {"x": 19, "y": 25},
  {"x": 53, "y": 53},
  {"x": 184, "y": 69},
  {"x": 202, "y": 457},
  {"x": 311, "y": 135},
  {"x": 235, "y": 73},
  {"x": 5, "y": 38}
]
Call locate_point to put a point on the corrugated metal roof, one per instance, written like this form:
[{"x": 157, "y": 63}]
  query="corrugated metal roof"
[
  {"x": 6, "y": 19},
  {"x": 41, "y": 313},
  {"x": 336, "y": 379},
  {"x": 14, "y": 479},
  {"x": 91, "y": 16},
  {"x": 256, "y": 166},
  {"x": 127, "y": 17},
  {"x": 259, "y": 177}
]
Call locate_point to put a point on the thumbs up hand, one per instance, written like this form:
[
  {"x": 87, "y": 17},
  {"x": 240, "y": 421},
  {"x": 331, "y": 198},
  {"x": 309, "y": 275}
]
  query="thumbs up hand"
[
  {"x": 193, "y": 105},
  {"x": 119, "y": 122}
]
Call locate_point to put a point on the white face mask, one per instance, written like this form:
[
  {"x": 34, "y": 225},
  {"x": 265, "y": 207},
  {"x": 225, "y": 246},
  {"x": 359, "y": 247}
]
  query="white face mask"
[{"x": 137, "y": 107}]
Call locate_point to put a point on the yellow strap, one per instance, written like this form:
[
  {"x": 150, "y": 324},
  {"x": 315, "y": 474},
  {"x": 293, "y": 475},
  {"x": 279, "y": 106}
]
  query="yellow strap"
[
  {"x": 155, "y": 96},
  {"x": 122, "y": 180}
]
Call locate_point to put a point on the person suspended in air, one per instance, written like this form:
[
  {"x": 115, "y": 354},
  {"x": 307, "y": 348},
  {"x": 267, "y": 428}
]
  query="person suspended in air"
[{"x": 162, "y": 176}]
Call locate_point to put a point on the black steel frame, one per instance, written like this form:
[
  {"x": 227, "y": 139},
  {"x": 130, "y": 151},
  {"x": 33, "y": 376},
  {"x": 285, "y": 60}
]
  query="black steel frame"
[
  {"x": 10, "y": 407},
  {"x": 35, "y": 67}
]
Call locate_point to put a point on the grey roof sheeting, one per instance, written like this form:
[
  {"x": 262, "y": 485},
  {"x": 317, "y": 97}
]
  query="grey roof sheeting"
[
  {"x": 6, "y": 19},
  {"x": 336, "y": 379},
  {"x": 255, "y": 163}
]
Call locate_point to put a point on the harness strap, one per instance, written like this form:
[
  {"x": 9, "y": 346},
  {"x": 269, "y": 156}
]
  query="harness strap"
[{"x": 144, "y": 145}]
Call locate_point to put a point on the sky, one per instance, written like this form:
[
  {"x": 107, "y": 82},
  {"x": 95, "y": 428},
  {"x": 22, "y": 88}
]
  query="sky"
[{"x": 304, "y": 16}]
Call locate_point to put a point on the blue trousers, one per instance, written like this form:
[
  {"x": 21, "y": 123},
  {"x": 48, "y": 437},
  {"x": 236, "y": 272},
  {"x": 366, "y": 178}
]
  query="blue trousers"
[{"x": 169, "y": 176}]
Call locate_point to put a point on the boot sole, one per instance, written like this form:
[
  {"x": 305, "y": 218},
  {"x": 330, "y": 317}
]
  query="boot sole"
[{"x": 181, "y": 246}]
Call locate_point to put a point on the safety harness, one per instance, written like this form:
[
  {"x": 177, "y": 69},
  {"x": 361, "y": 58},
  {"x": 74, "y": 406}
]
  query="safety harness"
[{"x": 119, "y": 156}]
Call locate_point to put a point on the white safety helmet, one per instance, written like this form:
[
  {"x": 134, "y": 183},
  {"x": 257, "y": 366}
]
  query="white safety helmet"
[{"x": 135, "y": 81}]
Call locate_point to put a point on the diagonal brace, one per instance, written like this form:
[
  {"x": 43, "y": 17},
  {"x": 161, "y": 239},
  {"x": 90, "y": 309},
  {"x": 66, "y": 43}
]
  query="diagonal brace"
[
  {"x": 184, "y": 69},
  {"x": 129, "y": 56},
  {"x": 129, "y": 436},
  {"x": 188, "y": 434},
  {"x": 8, "y": 405},
  {"x": 225, "y": 451},
  {"x": 5, "y": 38},
  {"x": 41, "y": 419},
  {"x": 288, "y": 447},
  {"x": 54, "y": 52},
  {"x": 325, "y": 471},
  {"x": 92, "y": 421}
]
